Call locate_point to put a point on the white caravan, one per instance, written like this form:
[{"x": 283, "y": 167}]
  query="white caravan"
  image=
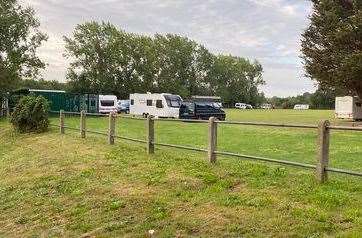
[
  {"x": 107, "y": 103},
  {"x": 301, "y": 107},
  {"x": 348, "y": 108},
  {"x": 155, "y": 104}
]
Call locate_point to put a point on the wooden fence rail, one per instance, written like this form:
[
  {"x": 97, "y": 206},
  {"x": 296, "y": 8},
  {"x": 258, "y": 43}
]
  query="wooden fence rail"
[{"x": 321, "y": 167}]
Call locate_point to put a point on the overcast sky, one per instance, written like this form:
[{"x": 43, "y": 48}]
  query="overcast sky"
[{"x": 266, "y": 30}]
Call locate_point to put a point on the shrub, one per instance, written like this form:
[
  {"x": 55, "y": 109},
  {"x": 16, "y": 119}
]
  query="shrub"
[{"x": 31, "y": 114}]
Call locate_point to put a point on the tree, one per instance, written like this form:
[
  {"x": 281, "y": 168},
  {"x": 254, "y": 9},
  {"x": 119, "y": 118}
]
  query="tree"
[
  {"x": 183, "y": 65},
  {"x": 236, "y": 79},
  {"x": 332, "y": 45},
  {"x": 19, "y": 40},
  {"x": 42, "y": 84},
  {"x": 108, "y": 60}
]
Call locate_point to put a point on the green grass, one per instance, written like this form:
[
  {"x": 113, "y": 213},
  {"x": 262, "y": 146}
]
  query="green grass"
[
  {"x": 61, "y": 185},
  {"x": 277, "y": 143}
]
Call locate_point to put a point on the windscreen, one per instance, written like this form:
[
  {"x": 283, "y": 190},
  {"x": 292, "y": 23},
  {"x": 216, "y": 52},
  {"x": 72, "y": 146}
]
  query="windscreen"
[
  {"x": 173, "y": 100},
  {"x": 107, "y": 103}
]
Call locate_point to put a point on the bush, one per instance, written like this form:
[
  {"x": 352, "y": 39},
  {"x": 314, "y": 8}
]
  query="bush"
[{"x": 31, "y": 114}]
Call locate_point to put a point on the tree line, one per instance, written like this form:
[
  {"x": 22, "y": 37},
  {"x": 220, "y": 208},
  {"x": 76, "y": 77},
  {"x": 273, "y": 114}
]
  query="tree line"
[
  {"x": 321, "y": 99},
  {"x": 105, "y": 59}
]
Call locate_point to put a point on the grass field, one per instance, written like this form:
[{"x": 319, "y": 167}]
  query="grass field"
[{"x": 61, "y": 185}]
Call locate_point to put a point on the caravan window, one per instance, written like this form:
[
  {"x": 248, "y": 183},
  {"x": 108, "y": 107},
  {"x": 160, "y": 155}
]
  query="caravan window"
[
  {"x": 149, "y": 102},
  {"x": 173, "y": 100},
  {"x": 132, "y": 101},
  {"x": 159, "y": 104},
  {"x": 107, "y": 103}
]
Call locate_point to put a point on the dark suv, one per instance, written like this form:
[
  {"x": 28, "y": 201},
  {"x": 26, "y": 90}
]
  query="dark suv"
[{"x": 201, "y": 110}]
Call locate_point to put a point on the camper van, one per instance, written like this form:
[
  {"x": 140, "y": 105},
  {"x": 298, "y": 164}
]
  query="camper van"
[
  {"x": 155, "y": 104},
  {"x": 107, "y": 103},
  {"x": 348, "y": 108},
  {"x": 301, "y": 107}
]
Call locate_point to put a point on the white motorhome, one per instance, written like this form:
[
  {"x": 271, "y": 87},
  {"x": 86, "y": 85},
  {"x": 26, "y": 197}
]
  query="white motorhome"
[
  {"x": 107, "y": 103},
  {"x": 155, "y": 104},
  {"x": 348, "y": 108},
  {"x": 301, "y": 107}
]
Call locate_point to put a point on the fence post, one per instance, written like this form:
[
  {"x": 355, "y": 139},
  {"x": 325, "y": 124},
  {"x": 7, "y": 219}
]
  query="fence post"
[
  {"x": 112, "y": 128},
  {"x": 61, "y": 121},
  {"x": 322, "y": 151},
  {"x": 212, "y": 140},
  {"x": 150, "y": 135},
  {"x": 82, "y": 124}
]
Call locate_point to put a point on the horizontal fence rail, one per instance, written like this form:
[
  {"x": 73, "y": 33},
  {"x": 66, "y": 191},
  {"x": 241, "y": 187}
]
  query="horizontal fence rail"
[
  {"x": 321, "y": 167},
  {"x": 285, "y": 162},
  {"x": 267, "y": 124}
]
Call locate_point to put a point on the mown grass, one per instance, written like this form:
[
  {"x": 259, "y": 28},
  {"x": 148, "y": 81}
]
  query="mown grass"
[
  {"x": 277, "y": 143},
  {"x": 61, "y": 185},
  {"x": 57, "y": 185}
]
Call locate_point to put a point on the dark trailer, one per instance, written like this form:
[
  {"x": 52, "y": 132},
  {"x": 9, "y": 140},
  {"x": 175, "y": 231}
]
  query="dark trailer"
[
  {"x": 59, "y": 100},
  {"x": 202, "y": 108}
]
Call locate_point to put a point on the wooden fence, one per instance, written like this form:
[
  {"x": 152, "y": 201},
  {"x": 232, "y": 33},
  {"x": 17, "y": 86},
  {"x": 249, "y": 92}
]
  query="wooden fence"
[{"x": 321, "y": 168}]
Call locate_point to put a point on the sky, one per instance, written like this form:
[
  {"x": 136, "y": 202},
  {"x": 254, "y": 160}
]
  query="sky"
[{"x": 266, "y": 30}]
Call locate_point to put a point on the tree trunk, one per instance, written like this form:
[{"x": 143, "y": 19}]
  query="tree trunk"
[{"x": 359, "y": 91}]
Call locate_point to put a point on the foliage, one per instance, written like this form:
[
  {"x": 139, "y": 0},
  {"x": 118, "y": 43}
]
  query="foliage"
[
  {"x": 331, "y": 46},
  {"x": 108, "y": 60},
  {"x": 19, "y": 40},
  {"x": 42, "y": 84},
  {"x": 31, "y": 114},
  {"x": 322, "y": 98},
  {"x": 235, "y": 79}
]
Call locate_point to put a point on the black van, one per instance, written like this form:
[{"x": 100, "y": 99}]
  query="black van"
[{"x": 201, "y": 110}]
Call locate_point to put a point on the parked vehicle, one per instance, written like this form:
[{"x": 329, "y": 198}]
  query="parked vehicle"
[
  {"x": 266, "y": 106},
  {"x": 214, "y": 99},
  {"x": 240, "y": 105},
  {"x": 348, "y": 108},
  {"x": 301, "y": 107},
  {"x": 123, "y": 106},
  {"x": 107, "y": 103},
  {"x": 202, "y": 110},
  {"x": 155, "y": 104}
]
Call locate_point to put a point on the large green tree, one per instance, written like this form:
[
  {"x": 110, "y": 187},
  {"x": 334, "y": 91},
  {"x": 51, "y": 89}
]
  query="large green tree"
[
  {"x": 236, "y": 79},
  {"x": 108, "y": 60},
  {"x": 332, "y": 45},
  {"x": 19, "y": 40}
]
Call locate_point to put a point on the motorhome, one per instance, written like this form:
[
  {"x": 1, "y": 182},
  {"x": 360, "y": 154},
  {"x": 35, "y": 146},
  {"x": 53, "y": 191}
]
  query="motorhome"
[
  {"x": 348, "y": 108},
  {"x": 301, "y": 107},
  {"x": 155, "y": 104},
  {"x": 107, "y": 103}
]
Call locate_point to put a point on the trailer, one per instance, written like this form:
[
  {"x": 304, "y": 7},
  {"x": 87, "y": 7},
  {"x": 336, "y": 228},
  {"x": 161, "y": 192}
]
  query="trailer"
[
  {"x": 348, "y": 108},
  {"x": 301, "y": 107},
  {"x": 159, "y": 105},
  {"x": 107, "y": 103}
]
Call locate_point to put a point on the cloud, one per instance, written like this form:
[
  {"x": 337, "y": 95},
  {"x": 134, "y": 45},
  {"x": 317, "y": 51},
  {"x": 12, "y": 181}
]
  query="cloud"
[{"x": 266, "y": 30}]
